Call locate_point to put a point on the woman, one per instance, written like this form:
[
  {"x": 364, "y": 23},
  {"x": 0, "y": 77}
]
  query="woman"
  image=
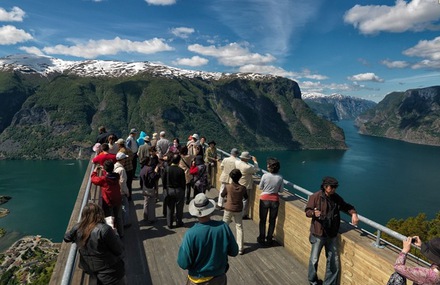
[
  {"x": 185, "y": 163},
  {"x": 113, "y": 147},
  {"x": 271, "y": 184},
  {"x": 99, "y": 247},
  {"x": 419, "y": 275},
  {"x": 175, "y": 148},
  {"x": 198, "y": 170}
]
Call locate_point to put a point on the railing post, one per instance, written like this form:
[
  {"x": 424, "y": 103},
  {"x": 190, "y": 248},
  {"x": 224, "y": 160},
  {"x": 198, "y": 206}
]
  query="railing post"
[{"x": 377, "y": 243}]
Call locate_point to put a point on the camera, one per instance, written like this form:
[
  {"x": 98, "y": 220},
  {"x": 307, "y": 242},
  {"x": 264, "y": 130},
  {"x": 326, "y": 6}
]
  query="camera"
[{"x": 413, "y": 240}]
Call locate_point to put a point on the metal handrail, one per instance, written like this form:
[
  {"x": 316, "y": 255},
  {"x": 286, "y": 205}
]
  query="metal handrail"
[{"x": 70, "y": 263}]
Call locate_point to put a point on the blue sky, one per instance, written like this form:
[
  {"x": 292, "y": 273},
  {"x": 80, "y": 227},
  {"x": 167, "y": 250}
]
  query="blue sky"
[{"x": 364, "y": 49}]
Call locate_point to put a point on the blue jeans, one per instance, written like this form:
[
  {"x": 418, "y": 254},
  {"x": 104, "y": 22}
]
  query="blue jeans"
[
  {"x": 266, "y": 207},
  {"x": 333, "y": 267}
]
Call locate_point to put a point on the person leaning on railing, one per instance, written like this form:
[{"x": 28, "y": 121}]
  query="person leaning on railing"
[
  {"x": 100, "y": 248},
  {"x": 419, "y": 275}
]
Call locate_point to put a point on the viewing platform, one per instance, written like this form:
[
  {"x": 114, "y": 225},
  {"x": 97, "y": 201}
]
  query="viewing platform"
[{"x": 151, "y": 250}]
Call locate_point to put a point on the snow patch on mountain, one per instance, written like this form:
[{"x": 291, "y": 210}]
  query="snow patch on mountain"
[{"x": 46, "y": 66}]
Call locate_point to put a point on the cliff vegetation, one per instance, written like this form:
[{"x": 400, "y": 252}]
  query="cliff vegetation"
[{"x": 57, "y": 117}]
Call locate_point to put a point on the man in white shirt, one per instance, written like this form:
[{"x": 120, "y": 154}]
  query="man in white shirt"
[
  {"x": 248, "y": 170},
  {"x": 227, "y": 165},
  {"x": 132, "y": 144}
]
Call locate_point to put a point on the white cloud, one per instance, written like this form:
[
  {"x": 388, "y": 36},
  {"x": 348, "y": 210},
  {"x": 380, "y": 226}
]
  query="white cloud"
[
  {"x": 425, "y": 48},
  {"x": 16, "y": 15},
  {"x": 232, "y": 54},
  {"x": 182, "y": 32},
  {"x": 266, "y": 69},
  {"x": 369, "y": 76},
  {"x": 427, "y": 64},
  {"x": 306, "y": 73},
  {"x": 415, "y": 15},
  {"x": 272, "y": 24},
  {"x": 429, "y": 50},
  {"x": 95, "y": 48},
  {"x": 395, "y": 64},
  {"x": 10, "y": 35},
  {"x": 193, "y": 61},
  {"x": 32, "y": 50},
  {"x": 161, "y": 2}
]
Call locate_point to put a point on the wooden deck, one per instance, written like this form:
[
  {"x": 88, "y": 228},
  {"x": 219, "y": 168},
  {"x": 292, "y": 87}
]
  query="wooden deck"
[{"x": 151, "y": 252}]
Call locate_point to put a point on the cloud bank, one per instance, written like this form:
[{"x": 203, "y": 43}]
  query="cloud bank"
[
  {"x": 95, "y": 48},
  {"x": 415, "y": 15}
]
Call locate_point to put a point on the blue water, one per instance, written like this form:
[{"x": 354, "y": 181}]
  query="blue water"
[
  {"x": 382, "y": 178},
  {"x": 43, "y": 194}
]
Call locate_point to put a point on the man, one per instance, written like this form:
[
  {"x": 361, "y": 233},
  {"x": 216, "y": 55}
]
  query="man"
[
  {"x": 234, "y": 206},
  {"x": 144, "y": 152},
  {"x": 203, "y": 146},
  {"x": 205, "y": 247},
  {"x": 162, "y": 146},
  {"x": 154, "y": 140},
  {"x": 211, "y": 162},
  {"x": 323, "y": 208},
  {"x": 104, "y": 155},
  {"x": 174, "y": 183},
  {"x": 226, "y": 166},
  {"x": 128, "y": 164},
  {"x": 103, "y": 134},
  {"x": 131, "y": 143},
  {"x": 119, "y": 169},
  {"x": 247, "y": 170},
  {"x": 149, "y": 176}
]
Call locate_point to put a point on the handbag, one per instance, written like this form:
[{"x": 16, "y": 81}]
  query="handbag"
[{"x": 396, "y": 279}]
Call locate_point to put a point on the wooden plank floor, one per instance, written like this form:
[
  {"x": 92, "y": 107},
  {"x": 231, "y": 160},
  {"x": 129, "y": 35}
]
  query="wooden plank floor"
[{"x": 151, "y": 252}]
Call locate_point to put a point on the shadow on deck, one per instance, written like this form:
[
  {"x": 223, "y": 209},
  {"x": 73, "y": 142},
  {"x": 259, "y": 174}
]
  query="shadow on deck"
[{"x": 151, "y": 252}]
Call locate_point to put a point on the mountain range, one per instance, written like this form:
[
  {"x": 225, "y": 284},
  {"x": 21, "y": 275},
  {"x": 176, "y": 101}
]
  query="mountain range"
[
  {"x": 337, "y": 107},
  {"x": 52, "y": 108},
  {"x": 412, "y": 116}
]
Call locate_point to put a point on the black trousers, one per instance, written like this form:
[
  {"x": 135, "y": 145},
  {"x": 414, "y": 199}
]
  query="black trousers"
[{"x": 175, "y": 201}]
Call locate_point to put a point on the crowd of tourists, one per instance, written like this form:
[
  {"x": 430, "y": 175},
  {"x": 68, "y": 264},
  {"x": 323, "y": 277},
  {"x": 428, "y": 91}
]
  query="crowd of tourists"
[{"x": 187, "y": 171}]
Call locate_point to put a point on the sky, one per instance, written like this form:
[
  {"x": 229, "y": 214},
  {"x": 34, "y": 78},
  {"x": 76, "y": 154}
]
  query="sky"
[{"x": 363, "y": 49}]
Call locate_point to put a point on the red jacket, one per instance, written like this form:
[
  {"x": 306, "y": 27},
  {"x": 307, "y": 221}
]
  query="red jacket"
[
  {"x": 110, "y": 188},
  {"x": 102, "y": 157}
]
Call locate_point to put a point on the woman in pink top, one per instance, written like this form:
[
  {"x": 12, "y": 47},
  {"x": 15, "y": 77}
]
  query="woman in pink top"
[
  {"x": 271, "y": 184},
  {"x": 420, "y": 275}
]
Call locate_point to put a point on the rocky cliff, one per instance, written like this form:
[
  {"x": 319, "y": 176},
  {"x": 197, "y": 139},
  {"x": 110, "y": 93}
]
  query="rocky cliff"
[
  {"x": 337, "y": 107},
  {"x": 52, "y": 109},
  {"x": 412, "y": 116}
]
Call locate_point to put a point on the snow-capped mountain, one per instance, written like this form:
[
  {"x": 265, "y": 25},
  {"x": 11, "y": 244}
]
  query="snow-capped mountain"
[
  {"x": 337, "y": 107},
  {"x": 94, "y": 68}
]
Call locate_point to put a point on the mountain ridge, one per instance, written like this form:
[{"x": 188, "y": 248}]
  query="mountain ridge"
[
  {"x": 337, "y": 107},
  {"x": 412, "y": 116},
  {"x": 51, "y": 115}
]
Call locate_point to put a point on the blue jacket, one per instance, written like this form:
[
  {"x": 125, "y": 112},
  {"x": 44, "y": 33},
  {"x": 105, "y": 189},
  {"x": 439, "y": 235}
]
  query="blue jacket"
[{"x": 205, "y": 248}]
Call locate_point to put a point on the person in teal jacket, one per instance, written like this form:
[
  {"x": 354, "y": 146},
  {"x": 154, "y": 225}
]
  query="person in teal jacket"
[{"x": 206, "y": 246}]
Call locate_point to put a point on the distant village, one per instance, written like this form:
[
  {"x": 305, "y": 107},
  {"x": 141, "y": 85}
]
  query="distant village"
[{"x": 27, "y": 259}]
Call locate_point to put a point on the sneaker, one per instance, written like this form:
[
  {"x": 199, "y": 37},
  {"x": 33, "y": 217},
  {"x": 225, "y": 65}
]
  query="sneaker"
[
  {"x": 246, "y": 217},
  {"x": 261, "y": 241},
  {"x": 241, "y": 252}
]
